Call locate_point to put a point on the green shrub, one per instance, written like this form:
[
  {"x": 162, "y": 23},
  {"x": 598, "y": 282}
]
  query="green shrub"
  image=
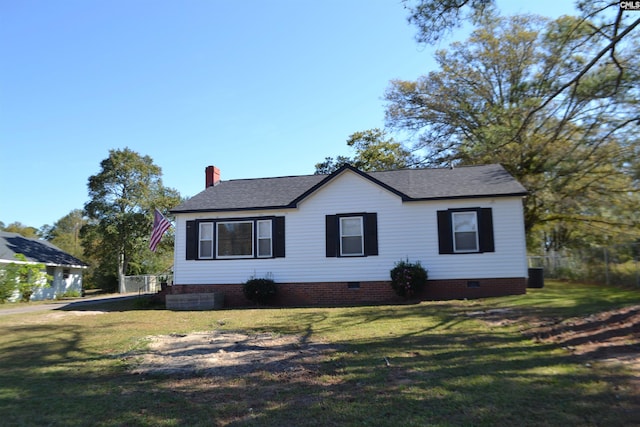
[
  {"x": 260, "y": 291},
  {"x": 7, "y": 285},
  {"x": 407, "y": 278},
  {"x": 24, "y": 277},
  {"x": 69, "y": 294}
]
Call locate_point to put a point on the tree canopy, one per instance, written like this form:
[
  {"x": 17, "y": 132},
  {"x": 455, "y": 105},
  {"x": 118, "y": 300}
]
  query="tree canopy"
[
  {"x": 65, "y": 233},
  {"x": 20, "y": 228},
  {"x": 509, "y": 95},
  {"x": 375, "y": 151},
  {"x": 607, "y": 24},
  {"x": 123, "y": 196}
]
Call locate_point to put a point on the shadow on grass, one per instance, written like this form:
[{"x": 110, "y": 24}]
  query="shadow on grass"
[
  {"x": 397, "y": 365},
  {"x": 569, "y": 299},
  {"x": 449, "y": 371},
  {"x": 115, "y": 304}
]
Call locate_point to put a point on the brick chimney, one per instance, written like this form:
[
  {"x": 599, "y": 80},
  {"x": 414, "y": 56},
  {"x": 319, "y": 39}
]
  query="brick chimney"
[{"x": 212, "y": 176}]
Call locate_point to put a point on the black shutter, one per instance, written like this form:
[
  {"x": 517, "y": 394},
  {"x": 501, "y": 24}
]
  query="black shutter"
[
  {"x": 485, "y": 230},
  {"x": 192, "y": 240},
  {"x": 278, "y": 236},
  {"x": 371, "y": 234},
  {"x": 445, "y": 236},
  {"x": 331, "y": 230}
]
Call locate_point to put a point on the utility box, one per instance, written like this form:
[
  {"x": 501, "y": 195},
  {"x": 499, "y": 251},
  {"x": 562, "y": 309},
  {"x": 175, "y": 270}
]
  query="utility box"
[{"x": 536, "y": 278}]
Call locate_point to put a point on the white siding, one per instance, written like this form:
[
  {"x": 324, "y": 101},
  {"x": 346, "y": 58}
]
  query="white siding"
[{"x": 405, "y": 230}]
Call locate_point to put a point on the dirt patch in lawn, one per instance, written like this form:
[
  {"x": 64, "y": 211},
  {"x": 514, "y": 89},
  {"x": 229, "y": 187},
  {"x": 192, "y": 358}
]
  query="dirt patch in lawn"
[
  {"x": 57, "y": 315},
  {"x": 230, "y": 354},
  {"x": 610, "y": 336}
]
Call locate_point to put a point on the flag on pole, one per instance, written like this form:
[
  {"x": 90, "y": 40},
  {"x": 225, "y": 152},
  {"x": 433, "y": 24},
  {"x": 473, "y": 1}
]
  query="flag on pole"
[{"x": 160, "y": 225}]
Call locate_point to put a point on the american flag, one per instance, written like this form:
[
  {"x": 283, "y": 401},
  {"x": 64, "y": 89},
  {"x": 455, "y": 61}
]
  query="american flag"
[{"x": 160, "y": 225}]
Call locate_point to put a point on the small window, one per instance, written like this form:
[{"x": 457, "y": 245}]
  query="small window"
[
  {"x": 235, "y": 239},
  {"x": 65, "y": 273},
  {"x": 264, "y": 238},
  {"x": 205, "y": 249},
  {"x": 351, "y": 236},
  {"x": 465, "y": 231}
]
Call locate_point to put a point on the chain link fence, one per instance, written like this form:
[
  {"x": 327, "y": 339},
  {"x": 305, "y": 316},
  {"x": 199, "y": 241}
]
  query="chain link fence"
[{"x": 612, "y": 265}]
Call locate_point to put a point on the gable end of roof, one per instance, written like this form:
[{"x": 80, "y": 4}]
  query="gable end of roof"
[{"x": 339, "y": 171}]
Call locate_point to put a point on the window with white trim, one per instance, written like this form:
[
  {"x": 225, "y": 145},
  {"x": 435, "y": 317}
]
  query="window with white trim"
[
  {"x": 265, "y": 239},
  {"x": 234, "y": 239},
  {"x": 351, "y": 236},
  {"x": 465, "y": 231},
  {"x": 205, "y": 245}
]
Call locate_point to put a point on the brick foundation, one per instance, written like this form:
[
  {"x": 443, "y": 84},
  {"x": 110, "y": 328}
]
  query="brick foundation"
[{"x": 362, "y": 293}]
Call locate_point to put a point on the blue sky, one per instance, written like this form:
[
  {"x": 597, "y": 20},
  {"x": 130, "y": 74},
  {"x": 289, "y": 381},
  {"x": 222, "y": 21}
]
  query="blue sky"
[{"x": 258, "y": 88}]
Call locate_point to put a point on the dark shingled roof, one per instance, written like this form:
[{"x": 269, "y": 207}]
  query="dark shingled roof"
[
  {"x": 35, "y": 250},
  {"x": 409, "y": 184}
]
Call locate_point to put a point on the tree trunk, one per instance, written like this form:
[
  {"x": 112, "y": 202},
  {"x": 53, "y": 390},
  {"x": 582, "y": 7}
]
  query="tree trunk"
[{"x": 121, "y": 270}]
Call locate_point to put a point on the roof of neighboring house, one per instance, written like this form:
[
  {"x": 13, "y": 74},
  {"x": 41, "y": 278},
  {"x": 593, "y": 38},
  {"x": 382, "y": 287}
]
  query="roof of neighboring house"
[
  {"x": 409, "y": 184},
  {"x": 34, "y": 250}
]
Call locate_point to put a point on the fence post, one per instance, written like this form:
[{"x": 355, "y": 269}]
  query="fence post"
[{"x": 606, "y": 265}]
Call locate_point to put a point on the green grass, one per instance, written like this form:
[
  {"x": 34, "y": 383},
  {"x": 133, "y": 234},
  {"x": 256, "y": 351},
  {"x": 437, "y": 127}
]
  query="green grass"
[{"x": 446, "y": 368}]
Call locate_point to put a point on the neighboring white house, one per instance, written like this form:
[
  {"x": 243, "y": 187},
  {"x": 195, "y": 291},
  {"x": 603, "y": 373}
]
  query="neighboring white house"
[
  {"x": 65, "y": 269},
  {"x": 333, "y": 239}
]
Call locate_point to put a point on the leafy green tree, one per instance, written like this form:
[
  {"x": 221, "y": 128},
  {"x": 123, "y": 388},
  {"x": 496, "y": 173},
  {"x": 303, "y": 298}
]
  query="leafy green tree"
[
  {"x": 490, "y": 103},
  {"x": 65, "y": 233},
  {"x": 7, "y": 282},
  {"x": 21, "y": 229},
  {"x": 375, "y": 151},
  {"x": 606, "y": 23},
  {"x": 123, "y": 196}
]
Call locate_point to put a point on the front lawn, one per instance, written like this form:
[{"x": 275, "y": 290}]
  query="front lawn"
[{"x": 434, "y": 363}]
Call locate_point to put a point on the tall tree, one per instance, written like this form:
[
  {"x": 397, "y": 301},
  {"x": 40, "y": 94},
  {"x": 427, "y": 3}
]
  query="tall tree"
[
  {"x": 122, "y": 197},
  {"x": 65, "y": 233},
  {"x": 375, "y": 151},
  {"x": 490, "y": 103}
]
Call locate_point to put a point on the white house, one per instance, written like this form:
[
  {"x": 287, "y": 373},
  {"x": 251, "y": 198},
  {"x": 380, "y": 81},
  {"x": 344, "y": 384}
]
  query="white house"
[
  {"x": 65, "y": 269},
  {"x": 333, "y": 239}
]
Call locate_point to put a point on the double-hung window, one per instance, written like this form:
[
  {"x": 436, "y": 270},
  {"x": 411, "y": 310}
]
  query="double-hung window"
[
  {"x": 265, "y": 239},
  {"x": 205, "y": 246},
  {"x": 465, "y": 231},
  {"x": 351, "y": 236}
]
